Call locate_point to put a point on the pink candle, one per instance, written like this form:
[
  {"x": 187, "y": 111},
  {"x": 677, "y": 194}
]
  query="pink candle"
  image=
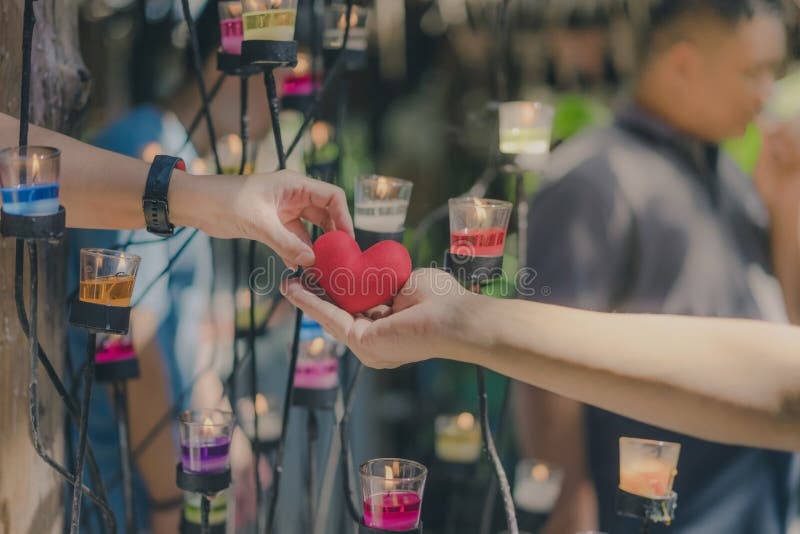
[
  {"x": 478, "y": 242},
  {"x": 316, "y": 373},
  {"x": 393, "y": 510},
  {"x": 232, "y": 35},
  {"x": 115, "y": 350}
]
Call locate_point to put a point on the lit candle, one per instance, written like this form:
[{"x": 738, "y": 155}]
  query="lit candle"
[
  {"x": 478, "y": 226},
  {"x": 381, "y": 203},
  {"x": 267, "y": 410},
  {"x": 229, "y": 150},
  {"x": 231, "y": 30},
  {"x": 269, "y": 20},
  {"x": 525, "y": 131},
  {"x": 336, "y": 23},
  {"x": 192, "y": 511},
  {"x": 648, "y": 468},
  {"x": 392, "y": 493},
  {"x": 206, "y": 441},
  {"x": 317, "y": 361},
  {"x": 107, "y": 276},
  {"x": 537, "y": 486},
  {"x": 115, "y": 349},
  {"x": 29, "y": 180},
  {"x": 458, "y": 438},
  {"x": 323, "y": 148}
]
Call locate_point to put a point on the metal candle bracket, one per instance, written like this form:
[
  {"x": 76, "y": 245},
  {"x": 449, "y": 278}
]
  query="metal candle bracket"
[
  {"x": 204, "y": 483},
  {"x": 366, "y": 238},
  {"x": 354, "y": 60},
  {"x": 99, "y": 318},
  {"x": 647, "y": 509},
  {"x": 476, "y": 269},
  {"x": 233, "y": 65},
  {"x": 266, "y": 446},
  {"x": 49, "y": 227},
  {"x": 194, "y": 528},
  {"x": 269, "y": 53},
  {"x": 363, "y": 529},
  {"x": 116, "y": 371},
  {"x": 315, "y": 399},
  {"x": 327, "y": 172}
]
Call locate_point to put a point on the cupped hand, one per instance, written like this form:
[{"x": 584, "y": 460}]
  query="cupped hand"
[{"x": 424, "y": 320}]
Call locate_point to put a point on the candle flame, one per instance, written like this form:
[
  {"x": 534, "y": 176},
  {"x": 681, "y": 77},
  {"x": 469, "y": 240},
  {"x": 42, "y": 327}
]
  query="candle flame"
[
  {"x": 540, "y": 473},
  {"x": 35, "y": 169},
  {"x": 382, "y": 188},
  {"x": 388, "y": 473},
  {"x": 303, "y": 64},
  {"x": 316, "y": 346},
  {"x": 353, "y": 19},
  {"x": 262, "y": 405},
  {"x": 320, "y": 134},
  {"x": 480, "y": 211},
  {"x": 465, "y": 421},
  {"x": 528, "y": 113},
  {"x": 234, "y": 143},
  {"x": 207, "y": 430}
]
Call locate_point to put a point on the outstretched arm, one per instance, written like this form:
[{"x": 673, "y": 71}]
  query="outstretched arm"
[
  {"x": 727, "y": 380},
  {"x": 101, "y": 189}
]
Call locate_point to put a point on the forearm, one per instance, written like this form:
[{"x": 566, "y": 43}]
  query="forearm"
[
  {"x": 101, "y": 189},
  {"x": 731, "y": 381}
]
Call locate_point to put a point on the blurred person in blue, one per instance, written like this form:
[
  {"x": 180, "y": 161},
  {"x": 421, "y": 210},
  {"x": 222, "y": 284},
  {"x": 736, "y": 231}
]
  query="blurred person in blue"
[
  {"x": 648, "y": 216},
  {"x": 167, "y": 322}
]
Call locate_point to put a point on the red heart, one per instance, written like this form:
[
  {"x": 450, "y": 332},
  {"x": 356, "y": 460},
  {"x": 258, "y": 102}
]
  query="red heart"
[{"x": 357, "y": 281}]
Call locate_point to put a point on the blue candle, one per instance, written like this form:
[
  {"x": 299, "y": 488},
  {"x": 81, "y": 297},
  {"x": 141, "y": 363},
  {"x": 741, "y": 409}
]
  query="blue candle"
[{"x": 36, "y": 199}]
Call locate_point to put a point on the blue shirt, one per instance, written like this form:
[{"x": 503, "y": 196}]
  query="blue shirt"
[{"x": 640, "y": 218}]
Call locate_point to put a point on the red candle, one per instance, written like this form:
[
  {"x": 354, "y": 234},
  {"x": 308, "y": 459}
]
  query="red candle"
[
  {"x": 478, "y": 242},
  {"x": 393, "y": 510}
]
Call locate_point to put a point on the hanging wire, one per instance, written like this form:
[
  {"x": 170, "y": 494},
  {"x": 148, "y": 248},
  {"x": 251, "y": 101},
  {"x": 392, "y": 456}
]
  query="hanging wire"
[
  {"x": 347, "y": 457},
  {"x": 83, "y": 428}
]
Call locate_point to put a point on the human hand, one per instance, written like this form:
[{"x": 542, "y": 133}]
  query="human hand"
[
  {"x": 424, "y": 320},
  {"x": 244, "y": 478},
  {"x": 269, "y": 208},
  {"x": 777, "y": 172}
]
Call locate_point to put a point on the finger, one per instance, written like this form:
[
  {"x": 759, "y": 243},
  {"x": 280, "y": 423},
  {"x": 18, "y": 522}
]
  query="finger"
[
  {"x": 298, "y": 228},
  {"x": 291, "y": 248},
  {"x": 332, "y": 199},
  {"x": 378, "y": 312},
  {"x": 319, "y": 217},
  {"x": 332, "y": 318}
]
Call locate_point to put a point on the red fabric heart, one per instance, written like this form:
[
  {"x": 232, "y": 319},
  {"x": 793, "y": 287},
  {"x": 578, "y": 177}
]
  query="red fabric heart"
[{"x": 357, "y": 281}]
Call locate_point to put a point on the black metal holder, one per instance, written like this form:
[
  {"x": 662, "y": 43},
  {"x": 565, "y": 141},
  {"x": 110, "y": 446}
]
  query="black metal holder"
[
  {"x": 47, "y": 227},
  {"x": 354, "y": 60},
  {"x": 366, "y": 238},
  {"x": 531, "y": 521},
  {"x": 314, "y": 399},
  {"x": 118, "y": 371},
  {"x": 363, "y": 529},
  {"x": 473, "y": 269},
  {"x": 649, "y": 510},
  {"x": 459, "y": 472},
  {"x": 269, "y": 53},
  {"x": 99, "y": 318},
  {"x": 206, "y": 484},
  {"x": 120, "y": 388},
  {"x": 188, "y": 527},
  {"x": 327, "y": 172},
  {"x": 266, "y": 447},
  {"x": 233, "y": 65}
]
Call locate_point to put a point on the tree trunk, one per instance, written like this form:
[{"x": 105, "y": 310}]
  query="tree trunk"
[{"x": 30, "y": 493}]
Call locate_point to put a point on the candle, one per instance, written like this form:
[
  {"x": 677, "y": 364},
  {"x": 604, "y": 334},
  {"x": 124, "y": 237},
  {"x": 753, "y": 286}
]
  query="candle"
[
  {"x": 458, "y": 438},
  {"x": 323, "y": 147},
  {"x": 205, "y": 441},
  {"x": 392, "y": 493},
  {"x": 525, "y": 131},
  {"x": 107, "y": 276},
  {"x": 648, "y": 468},
  {"x": 537, "y": 486},
  {"x": 269, "y": 20},
  {"x": 317, "y": 362},
  {"x": 29, "y": 180},
  {"x": 270, "y": 419},
  {"x": 478, "y": 226},
  {"x": 231, "y": 29},
  {"x": 381, "y": 203},
  {"x": 192, "y": 511},
  {"x": 115, "y": 349},
  {"x": 336, "y": 23}
]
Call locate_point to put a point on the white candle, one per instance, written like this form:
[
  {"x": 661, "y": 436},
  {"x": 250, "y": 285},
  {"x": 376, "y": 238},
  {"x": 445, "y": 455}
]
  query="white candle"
[
  {"x": 381, "y": 215},
  {"x": 537, "y": 486},
  {"x": 270, "y": 422},
  {"x": 458, "y": 438}
]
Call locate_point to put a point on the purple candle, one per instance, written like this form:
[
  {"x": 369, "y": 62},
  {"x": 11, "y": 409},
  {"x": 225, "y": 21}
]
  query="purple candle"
[{"x": 206, "y": 441}]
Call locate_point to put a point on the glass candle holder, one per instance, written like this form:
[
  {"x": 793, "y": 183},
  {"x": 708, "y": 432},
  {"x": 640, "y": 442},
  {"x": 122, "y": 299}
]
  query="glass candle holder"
[
  {"x": 29, "y": 180},
  {"x": 231, "y": 28},
  {"x": 115, "y": 349},
  {"x": 537, "y": 486},
  {"x": 381, "y": 203},
  {"x": 458, "y": 438},
  {"x": 269, "y": 20},
  {"x": 229, "y": 149},
  {"x": 478, "y": 226},
  {"x": 192, "y": 511},
  {"x": 392, "y": 493},
  {"x": 107, "y": 276},
  {"x": 336, "y": 23},
  {"x": 322, "y": 148},
  {"x": 205, "y": 441},
  {"x": 267, "y": 410},
  {"x": 648, "y": 468},
  {"x": 317, "y": 362},
  {"x": 525, "y": 131}
]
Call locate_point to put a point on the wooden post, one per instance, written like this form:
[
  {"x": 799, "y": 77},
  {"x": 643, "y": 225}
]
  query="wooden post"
[{"x": 30, "y": 493}]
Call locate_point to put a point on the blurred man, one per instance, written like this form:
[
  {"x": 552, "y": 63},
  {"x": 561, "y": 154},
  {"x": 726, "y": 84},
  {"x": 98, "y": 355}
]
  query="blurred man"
[{"x": 648, "y": 216}]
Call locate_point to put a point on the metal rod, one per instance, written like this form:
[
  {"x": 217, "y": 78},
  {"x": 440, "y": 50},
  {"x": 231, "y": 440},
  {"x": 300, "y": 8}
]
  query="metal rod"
[
  {"x": 83, "y": 427},
  {"x": 120, "y": 389},
  {"x": 251, "y": 344},
  {"x": 274, "y": 112},
  {"x": 205, "y": 512},
  {"x": 243, "y": 121},
  {"x": 347, "y": 457},
  {"x": 28, "y": 22},
  {"x": 313, "y": 432}
]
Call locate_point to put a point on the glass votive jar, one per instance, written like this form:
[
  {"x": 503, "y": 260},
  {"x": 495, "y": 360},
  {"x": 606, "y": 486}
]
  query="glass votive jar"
[
  {"x": 231, "y": 29},
  {"x": 381, "y": 203},
  {"x": 392, "y": 491},
  {"x": 107, "y": 276},
  {"x": 537, "y": 486},
  {"x": 478, "y": 226},
  {"x": 646, "y": 467},
  {"x": 336, "y": 23},
  {"x": 269, "y": 20},
  {"x": 29, "y": 180},
  {"x": 458, "y": 438},
  {"x": 115, "y": 349},
  {"x": 205, "y": 441},
  {"x": 317, "y": 361},
  {"x": 267, "y": 410},
  {"x": 525, "y": 131}
]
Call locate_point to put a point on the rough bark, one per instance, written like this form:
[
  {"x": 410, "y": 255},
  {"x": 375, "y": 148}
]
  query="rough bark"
[{"x": 30, "y": 493}]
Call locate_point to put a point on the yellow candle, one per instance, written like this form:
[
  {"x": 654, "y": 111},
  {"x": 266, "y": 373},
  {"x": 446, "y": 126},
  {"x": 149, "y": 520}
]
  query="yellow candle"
[{"x": 269, "y": 25}]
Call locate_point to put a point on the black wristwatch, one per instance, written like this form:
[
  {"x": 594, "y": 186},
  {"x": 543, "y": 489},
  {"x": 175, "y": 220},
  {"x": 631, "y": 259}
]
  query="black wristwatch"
[{"x": 154, "y": 200}]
